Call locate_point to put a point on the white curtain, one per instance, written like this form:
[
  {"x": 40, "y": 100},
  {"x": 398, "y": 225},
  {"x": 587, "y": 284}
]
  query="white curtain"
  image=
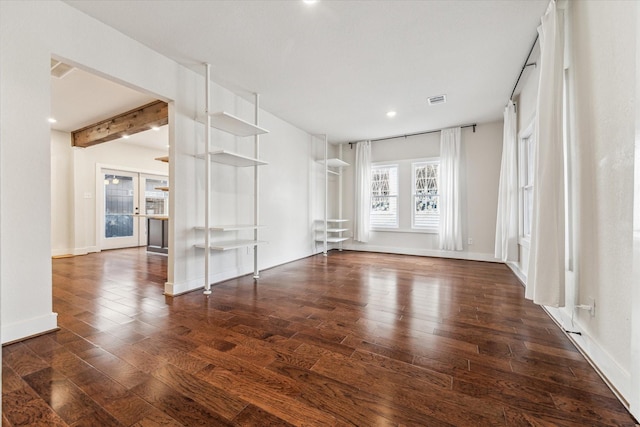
[
  {"x": 363, "y": 191},
  {"x": 449, "y": 188},
  {"x": 507, "y": 220},
  {"x": 545, "y": 275}
]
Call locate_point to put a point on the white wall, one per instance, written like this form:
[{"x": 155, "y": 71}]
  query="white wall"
[
  {"x": 481, "y": 156},
  {"x": 634, "y": 396},
  {"x": 61, "y": 194},
  {"x": 30, "y": 34},
  {"x": 73, "y": 187},
  {"x": 601, "y": 72}
]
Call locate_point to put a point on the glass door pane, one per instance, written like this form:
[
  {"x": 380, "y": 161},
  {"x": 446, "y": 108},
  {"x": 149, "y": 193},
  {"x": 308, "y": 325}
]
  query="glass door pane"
[
  {"x": 118, "y": 206},
  {"x": 120, "y": 228},
  {"x": 156, "y": 196},
  {"x": 154, "y": 202}
]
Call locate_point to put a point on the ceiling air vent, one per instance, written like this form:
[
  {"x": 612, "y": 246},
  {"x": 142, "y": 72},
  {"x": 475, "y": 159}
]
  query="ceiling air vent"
[
  {"x": 60, "y": 69},
  {"x": 440, "y": 99}
]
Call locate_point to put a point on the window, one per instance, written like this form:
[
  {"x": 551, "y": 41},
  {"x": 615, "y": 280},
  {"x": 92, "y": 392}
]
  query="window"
[
  {"x": 526, "y": 154},
  {"x": 384, "y": 197},
  {"x": 426, "y": 198}
]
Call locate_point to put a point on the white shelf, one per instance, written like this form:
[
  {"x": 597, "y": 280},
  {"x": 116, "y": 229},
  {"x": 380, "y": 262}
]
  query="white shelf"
[
  {"x": 337, "y": 220},
  {"x": 333, "y": 239},
  {"x": 336, "y": 163},
  {"x": 228, "y": 158},
  {"x": 232, "y": 227},
  {"x": 232, "y": 124},
  {"x": 336, "y": 230},
  {"x": 163, "y": 159},
  {"x": 231, "y": 244}
]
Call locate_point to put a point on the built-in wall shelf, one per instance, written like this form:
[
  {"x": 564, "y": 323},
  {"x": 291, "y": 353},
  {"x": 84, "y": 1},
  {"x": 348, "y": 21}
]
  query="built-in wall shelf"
[
  {"x": 233, "y": 159},
  {"x": 334, "y": 164},
  {"x": 229, "y": 123},
  {"x": 163, "y": 159},
  {"x": 231, "y": 244},
  {"x": 332, "y": 228},
  {"x": 233, "y": 126},
  {"x": 234, "y": 227},
  {"x": 333, "y": 239}
]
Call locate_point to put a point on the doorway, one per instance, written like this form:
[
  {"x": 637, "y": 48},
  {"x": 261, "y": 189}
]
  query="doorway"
[{"x": 127, "y": 200}]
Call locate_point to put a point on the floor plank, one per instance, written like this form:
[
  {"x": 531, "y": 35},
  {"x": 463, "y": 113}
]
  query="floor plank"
[{"x": 349, "y": 339}]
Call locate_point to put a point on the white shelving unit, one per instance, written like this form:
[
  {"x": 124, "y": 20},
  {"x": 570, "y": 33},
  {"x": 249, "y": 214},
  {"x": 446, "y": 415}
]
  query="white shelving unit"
[
  {"x": 230, "y": 244},
  {"x": 229, "y": 123},
  {"x": 233, "y": 125},
  {"x": 332, "y": 230},
  {"x": 333, "y": 164},
  {"x": 232, "y": 159},
  {"x": 239, "y": 227}
]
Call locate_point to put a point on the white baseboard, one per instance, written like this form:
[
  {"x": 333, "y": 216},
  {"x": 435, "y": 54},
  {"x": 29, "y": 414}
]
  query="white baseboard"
[
  {"x": 30, "y": 327},
  {"x": 516, "y": 270},
  {"x": 617, "y": 378},
  {"x": 83, "y": 251},
  {"x": 472, "y": 256},
  {"x": 61, "y": 252},
  {"x": 175, "y": 289}
]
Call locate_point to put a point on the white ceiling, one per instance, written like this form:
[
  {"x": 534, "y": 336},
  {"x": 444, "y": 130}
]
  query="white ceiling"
[{"x": 337, "y": 67}]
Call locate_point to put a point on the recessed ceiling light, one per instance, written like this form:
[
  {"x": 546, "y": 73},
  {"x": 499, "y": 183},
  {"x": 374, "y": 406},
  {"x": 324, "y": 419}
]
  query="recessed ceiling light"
[
  {"x": 156, "y": 128},
  {"x": 310, "y": 1},
  {"x": 391, "y": 113},
  {"x": 125, "y": 136},
  {"x": 51, "y": 120}
]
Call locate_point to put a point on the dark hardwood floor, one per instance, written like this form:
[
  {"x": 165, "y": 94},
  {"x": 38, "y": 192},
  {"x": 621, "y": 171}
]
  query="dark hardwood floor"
[{"x": 351, "y": 339}]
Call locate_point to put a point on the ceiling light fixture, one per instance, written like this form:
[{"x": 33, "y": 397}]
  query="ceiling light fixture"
[
  {"x": 310, "y": 1},
  {"x": 156, "y": 128},
  {"x": 391, "y": 114},
  {"x": 51, "y": 120},
  {"x": 125, "y": 136}
]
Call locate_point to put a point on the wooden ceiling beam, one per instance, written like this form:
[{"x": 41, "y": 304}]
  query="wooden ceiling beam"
[{"x": 140, "y": 119}]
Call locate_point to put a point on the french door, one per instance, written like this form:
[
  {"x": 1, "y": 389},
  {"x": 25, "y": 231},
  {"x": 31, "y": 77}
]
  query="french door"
[
  {"x": 121, "y": 204},
  {"x": 128, "y": 198}
]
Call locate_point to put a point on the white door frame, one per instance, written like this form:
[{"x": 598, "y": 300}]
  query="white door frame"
[
  {"x": 99, "y": 192},
  {"x": 119, "y": 242}
]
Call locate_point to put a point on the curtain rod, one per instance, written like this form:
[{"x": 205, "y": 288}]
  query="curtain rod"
[
  {"x": 473, "y": 125},
  {"x": 525, "y": 65}
]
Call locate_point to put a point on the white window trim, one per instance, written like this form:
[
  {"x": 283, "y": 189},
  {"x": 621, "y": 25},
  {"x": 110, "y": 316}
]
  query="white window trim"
[
  {"x": 404, "y": 193},
  {"x": 529, "y": 131},
  {"x": 397, "y": 196},
  {"x": 414, "y": 229}
]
